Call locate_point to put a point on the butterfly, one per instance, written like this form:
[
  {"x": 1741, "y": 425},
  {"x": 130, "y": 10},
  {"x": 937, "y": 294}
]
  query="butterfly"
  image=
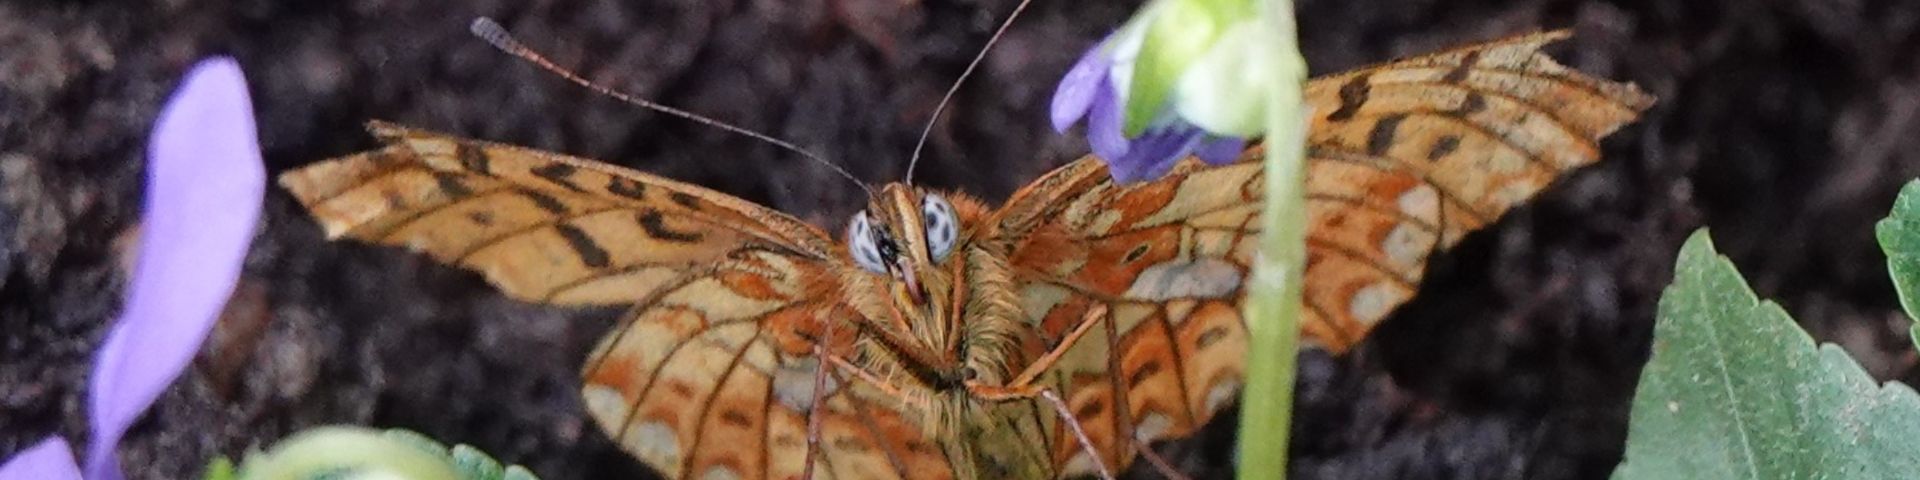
[{"x": 944, "y": 338}]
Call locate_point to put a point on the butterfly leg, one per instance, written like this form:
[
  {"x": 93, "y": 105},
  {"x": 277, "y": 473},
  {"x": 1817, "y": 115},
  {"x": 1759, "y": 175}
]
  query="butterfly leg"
[
  {"x": 1059, "y": 406},
  {"x": 814, "y": 413},
  {"x": 1159, "y": 463},
  {"x": 1094, "y": 315},
  {"x": 819, "y": 399},
  {"x": 1025, "y": 386},
  {"x": 1125, "y": 419}
]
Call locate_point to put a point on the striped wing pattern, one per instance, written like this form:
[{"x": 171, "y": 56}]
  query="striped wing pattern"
[
  {"x": 710, "y": 373},
  {"x": 1404, "y": 159}
]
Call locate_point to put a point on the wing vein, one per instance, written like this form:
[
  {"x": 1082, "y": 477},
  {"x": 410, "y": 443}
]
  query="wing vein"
[
  {"x": 706, "y": 407},
  {"x": 1361, "y": 203},
  {"x": 1179, "y": 367},
  {"x": 410, "y": 218},
  {"x": 1336, "y": 247},
  {"x": 1335, "y": 154},
  {"x": 515, "y": 233}
]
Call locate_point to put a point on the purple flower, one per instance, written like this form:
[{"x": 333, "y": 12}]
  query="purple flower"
[
  {"x": 1094, "y": 90},
  {"x": 204, "y": 184},
  {"x": 51, "y": 459}
]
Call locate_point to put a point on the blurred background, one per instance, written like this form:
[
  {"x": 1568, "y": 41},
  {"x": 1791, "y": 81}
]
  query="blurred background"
[{"x": 1785, "y": 126}]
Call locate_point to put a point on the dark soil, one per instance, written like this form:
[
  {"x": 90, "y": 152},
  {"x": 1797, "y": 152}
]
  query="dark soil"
[{"x": 1785, "y": 126}]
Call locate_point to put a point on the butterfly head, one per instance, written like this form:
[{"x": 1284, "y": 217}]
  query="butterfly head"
[{"x": 908, "y": 234}]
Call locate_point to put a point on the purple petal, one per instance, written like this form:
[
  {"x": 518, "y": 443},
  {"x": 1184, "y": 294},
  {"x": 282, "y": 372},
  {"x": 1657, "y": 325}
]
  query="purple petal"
[
  {"x": 1219, "y": 150},
  {"x": 1079, "y": 88},
  {"x": 1153, "y": 154},
  {"x": 52, "y": 459},
  {"x": 1104, "y": 133},
  {"x": 204, "y": 182}
]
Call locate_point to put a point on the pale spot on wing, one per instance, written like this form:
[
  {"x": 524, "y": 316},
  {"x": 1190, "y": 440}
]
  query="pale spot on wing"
[
  {"x": 1199, "y": 279},
  {"x": 1104, "y": 221},
  {"x": 655, "y": 442},
  {"x": 1178, "y": 309},
  {"x": 605, "y": 404},
  {"x": 1221, "y": 393},
  {"x": 1406, "y": 246},
  {"x": 1420, "y": 201},
  {"x": 1373, "y": 302},
  {"x": 793, "y": 384},
  {"x": 720, "y": 473},
  {"x": 1080, "y": 464},
  {"x": 1152, "y": 427},
  {"x": 1214, "y": 243}
]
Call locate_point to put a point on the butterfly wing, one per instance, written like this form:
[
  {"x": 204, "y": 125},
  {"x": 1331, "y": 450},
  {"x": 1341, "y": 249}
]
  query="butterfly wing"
[
  {"x": 710, "y": 373},
  {"x": 1404, "y": 159}
]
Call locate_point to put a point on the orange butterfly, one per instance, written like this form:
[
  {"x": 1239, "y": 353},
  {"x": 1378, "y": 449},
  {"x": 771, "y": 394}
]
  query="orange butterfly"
[{"x": 940, "y": 338}]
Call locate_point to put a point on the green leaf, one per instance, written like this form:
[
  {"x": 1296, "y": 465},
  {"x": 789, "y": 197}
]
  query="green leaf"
[
  {"x": 219, "y": 469},
  {"x": 1736, "y": 390},
  {"x": 1899, "y": 235},
  {"x": 340, "y": 452}
]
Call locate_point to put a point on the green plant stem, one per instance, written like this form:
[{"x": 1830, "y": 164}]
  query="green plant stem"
[{"x": 1273, "y": 297}]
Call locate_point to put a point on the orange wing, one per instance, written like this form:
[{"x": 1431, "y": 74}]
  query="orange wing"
[
  {"x": 710, "y": 373},
  {"x": 1404, "y": 159}
]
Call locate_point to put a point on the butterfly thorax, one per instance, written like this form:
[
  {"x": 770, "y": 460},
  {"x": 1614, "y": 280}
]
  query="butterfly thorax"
[
  {"x": 939, "y": 305},
  {"x": 949, "y": 295}
]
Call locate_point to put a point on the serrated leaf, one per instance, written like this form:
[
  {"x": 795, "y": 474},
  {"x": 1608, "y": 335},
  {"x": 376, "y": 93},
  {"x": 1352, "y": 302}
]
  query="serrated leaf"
[
  {"x": 1899, "y": 236},
  {"x": 1736, "y": 390}
]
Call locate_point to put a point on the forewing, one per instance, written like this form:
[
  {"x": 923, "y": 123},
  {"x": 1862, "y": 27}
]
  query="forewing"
[
  {"x": 1403, "y": 160},
  {"x": 542, "y": 227},
  {"x": 710, "y": 373},
  {"x": 1410, "y": 156}
]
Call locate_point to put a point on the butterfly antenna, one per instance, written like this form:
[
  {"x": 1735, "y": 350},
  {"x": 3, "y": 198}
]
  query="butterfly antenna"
[
  {"x": 496, "y": 35},
  {"x": 942, "y": 107}
]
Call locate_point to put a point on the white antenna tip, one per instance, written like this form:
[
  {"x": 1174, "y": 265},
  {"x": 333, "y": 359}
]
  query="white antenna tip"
[{"x": 492, "y": 32}]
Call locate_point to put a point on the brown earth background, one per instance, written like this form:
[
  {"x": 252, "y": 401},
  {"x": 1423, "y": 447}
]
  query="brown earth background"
[{"x": 1785, "y": 126}]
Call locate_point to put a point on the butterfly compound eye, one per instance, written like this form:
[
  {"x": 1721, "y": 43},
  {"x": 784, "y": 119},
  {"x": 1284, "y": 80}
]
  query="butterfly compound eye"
[
  {"x": 943, "y": 228},
  {"x": 862, "y": 245}
]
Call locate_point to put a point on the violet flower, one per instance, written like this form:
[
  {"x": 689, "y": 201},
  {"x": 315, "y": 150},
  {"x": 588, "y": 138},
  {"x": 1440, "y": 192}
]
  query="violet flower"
[
  {"x": 1181, "y": 78},
  {"x": 204, "y": 184}
]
